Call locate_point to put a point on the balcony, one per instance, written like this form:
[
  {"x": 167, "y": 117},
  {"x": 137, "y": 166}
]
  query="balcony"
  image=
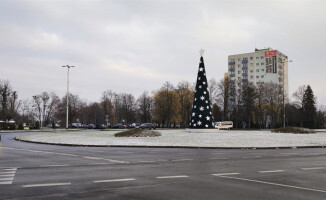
[
  {"x": 245, "y": 80},
  {"x": 232, "y": 81},
  {"x": 231, "y": 62},
  {"x": 280, "y": 79},
  {"x": 244, "y": 67},
  {"x": 232, "y": 86},
  {"x": 231, "y": 69},
  {"x": 280, "y": 66},
  {"x": 232, "y": 99},
  {"x": 244, "y": 61},
  {"x": 280, "y": 72},
  {"x": 245, "y": 74},
  {"x": 232, "y": 75}
]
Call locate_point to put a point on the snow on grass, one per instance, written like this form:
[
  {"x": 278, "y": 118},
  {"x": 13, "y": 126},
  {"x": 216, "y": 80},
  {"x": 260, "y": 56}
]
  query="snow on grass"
[{"x": 179, "y": 137}]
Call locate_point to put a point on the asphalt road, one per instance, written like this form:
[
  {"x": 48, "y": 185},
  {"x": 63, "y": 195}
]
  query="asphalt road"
[{"x": 36, "y": 171}]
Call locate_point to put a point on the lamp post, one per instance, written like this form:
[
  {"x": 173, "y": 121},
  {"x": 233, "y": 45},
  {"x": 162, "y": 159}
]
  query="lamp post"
[
  {"x": 284, "y": 90},
  {"x": 68, "y": 67}
]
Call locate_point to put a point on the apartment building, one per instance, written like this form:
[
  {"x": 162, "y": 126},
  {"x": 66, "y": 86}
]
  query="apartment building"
[{"x": 260, "y": 66}]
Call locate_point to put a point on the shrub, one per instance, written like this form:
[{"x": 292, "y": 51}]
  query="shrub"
[
  {"x": 296, "y": 130},
  {"x": 36, "y": 125},
  {"x": 20, "y": 126},
  {"x": 138, "y": 133}
]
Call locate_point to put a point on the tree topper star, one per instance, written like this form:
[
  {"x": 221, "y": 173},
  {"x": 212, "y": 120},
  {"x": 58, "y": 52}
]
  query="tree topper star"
[{"x": 201, "y": 52}]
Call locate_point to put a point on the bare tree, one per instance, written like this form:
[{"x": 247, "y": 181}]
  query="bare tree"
[
  {"x": 145, "y": 107},
  {"x": 45, "y": 105},
  {"x": 5, "y": 92}
]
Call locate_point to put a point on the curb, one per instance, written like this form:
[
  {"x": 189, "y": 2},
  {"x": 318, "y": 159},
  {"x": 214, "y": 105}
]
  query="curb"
[{"x": 177, "y": 147}]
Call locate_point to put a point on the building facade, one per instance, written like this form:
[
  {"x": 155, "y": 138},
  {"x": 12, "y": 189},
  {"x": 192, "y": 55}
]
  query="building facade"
[{"x": 260, "y": 66}]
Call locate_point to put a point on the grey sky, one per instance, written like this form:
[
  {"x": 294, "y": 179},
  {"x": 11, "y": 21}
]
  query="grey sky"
[{"x": 133, "y": 46}]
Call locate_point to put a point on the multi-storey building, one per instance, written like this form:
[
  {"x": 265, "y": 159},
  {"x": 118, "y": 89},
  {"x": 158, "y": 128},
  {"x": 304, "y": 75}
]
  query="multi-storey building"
[{"x": 261, "y": 66}]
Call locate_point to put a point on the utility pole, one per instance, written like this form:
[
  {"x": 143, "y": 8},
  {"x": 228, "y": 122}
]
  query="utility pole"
[{"x": 67, "y": 117}]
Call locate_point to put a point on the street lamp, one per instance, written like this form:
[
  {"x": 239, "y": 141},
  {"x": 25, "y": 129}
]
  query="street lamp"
[
  {"x": 284, "y": 91},
  {"x": 68, "y": 67}
]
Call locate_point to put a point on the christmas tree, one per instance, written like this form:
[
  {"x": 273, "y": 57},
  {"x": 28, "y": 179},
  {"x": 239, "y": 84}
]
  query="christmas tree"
[{"x": 201, "y": 116}]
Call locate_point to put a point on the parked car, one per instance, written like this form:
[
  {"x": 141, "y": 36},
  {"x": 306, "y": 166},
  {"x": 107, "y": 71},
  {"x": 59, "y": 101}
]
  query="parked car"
[
  {"x": 119, "y": 126},
  {"x": 228, "y": 125},
  {"x": 147, "y": 126},
  {"x": 91, "y": 126},
  {"x": 100, "y": 126},
  {"x": 76, "y": 125}
]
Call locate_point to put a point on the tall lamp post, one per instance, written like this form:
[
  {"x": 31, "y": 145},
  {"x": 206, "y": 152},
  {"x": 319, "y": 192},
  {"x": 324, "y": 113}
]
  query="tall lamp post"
[
  {"x": 284, "y": 91},
  {"x": 68, "y": 67}
]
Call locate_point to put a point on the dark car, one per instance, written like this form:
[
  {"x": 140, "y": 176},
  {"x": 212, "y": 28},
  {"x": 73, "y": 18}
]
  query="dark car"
[
  {"x": 119, "y": 126},
  {"x": 147, "y": 126},
  {"x": 90, "y": 126}
]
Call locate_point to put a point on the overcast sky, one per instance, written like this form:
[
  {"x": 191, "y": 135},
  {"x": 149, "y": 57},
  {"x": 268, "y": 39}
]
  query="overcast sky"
[{"x": 133, "y": 46}]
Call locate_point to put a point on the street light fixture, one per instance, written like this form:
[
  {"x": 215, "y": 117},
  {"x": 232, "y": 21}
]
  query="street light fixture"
[
  {"x": 68, "y": 67},
  {"x": 284, "y": 91}
]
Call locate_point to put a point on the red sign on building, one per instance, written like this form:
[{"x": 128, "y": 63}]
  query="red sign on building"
[{"x": 270, "y": 53}]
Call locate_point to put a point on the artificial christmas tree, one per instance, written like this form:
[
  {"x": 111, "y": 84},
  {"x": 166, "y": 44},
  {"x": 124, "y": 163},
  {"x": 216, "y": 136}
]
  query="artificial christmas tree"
[{"x": 201, "y": 115}]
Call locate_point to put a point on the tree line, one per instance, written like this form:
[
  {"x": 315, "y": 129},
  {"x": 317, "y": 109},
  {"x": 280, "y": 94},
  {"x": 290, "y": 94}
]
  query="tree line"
[{"x": 169, "y": 106}]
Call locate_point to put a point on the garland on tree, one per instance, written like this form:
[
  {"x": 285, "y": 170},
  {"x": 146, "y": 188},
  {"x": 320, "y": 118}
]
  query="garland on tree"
[{"x": 201, "y": 115}]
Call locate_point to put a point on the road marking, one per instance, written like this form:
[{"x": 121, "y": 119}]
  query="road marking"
[
  {"x": 7, "y": 175},
  {"x": 99, "y": 163},
  {"x": 54, "y": 165},
  {"x": 312, "y": 154},
  {"x": 251, "y": 157},
  {"x": 145, "y": 162},
  {"x": 166, "y": 177},
  {"x": 13, "y": 172},
  {"x": 114, "y": 180},
  {"x": 178, "y": 160},
  {"x": 5, "y": 182},
  {"x": 186, "y": 153},
  {"x": 7, "y": 179},
  {"x": 277, "y": 184},
  {"x": 271, "y": 171},
  {"x": 65, "y": 154},
  {"x": 289, "y": 153},
  {"x": 45, "y": 185},
  {"x": 225, "y": 174},
  {"x": 312, "y": 168},
  {"x": 218, "y": 158}
]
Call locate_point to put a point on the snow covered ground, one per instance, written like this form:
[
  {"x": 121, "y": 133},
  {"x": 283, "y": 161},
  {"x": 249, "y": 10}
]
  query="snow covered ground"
[{"x": 179, "y": 137}]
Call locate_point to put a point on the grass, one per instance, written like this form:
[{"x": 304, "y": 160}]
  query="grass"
[
  {"x": 295, "y": 130},
  {"x": 137, "y": 132}
]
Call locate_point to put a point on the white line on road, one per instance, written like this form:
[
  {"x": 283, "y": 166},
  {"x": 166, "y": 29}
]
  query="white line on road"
[
  {"x": 12, "y": 172},
  {"x": 6, "y": 175},
  {"x": 277, "y": 184},
  {"x": 218, "y": 158},
  {"x": 289, "y": 153},
  {"x": 312, "y": 168},
  {"x": 145, "y": 162},
  {"x": 9, "y": 169},
  {"x": 6, "y": 183},
  {"x": 54, "y": 165},
  {"x": 251, "y": 157},
  {"x": 114, "y": 180},
  {"x": 7, "y": 179},
  {"x": 178, "y": 160},
  {"x": 271, "y": 171},
  {"x": 179, "y": 176},
  {"x": 46, "y": 185},
  {"x": 225, "y": 174}
]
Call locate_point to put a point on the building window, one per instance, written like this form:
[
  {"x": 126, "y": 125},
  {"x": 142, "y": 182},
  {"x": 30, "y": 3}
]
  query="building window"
[
  {"x": 257, "y": 58},
  {"x": 257, "y": 64},
  {"x": 262, "y": 63},
  {"x": 239, "y": 66},
  {"x": 239, "y": 72},
  {"x": 262, "y": 70},
  {"x": 251, "y": 58},
  {"x": 257, "y": 70},
  {"x": 251, "y": 77},
  {"x": 257, "y": 76},
  {"x": 251, "y": 71},
  {"x": 262, "y": 76},
  {"x": 262, "y": 57},
  {"x": 238, "y": 59}
]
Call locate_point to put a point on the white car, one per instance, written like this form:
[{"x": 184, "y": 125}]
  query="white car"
[{"x": 228, "y": 125}]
